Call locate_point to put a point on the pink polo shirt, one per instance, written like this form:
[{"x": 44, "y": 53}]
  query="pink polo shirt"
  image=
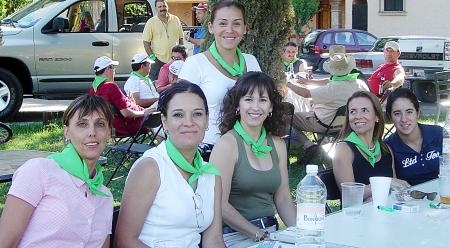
[{"x": 66, "y": 213}]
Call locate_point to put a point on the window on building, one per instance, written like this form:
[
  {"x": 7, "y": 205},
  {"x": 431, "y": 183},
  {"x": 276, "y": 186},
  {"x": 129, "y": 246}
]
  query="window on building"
[{"x": 393, "y": 5}]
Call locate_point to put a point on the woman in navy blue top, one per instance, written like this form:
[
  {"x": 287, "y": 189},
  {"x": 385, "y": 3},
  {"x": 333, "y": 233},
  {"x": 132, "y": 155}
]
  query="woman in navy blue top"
[{"x": 416, "y": 158}]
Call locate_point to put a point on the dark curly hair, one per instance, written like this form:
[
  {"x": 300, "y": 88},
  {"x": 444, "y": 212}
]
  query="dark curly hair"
[{"x": 247, "y": 84}]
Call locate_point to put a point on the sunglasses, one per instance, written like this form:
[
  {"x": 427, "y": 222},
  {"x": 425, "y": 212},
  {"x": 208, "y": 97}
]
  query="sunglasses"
[
  {"x": 416, "y": 194},
  {"x": 176, "y": 58}
]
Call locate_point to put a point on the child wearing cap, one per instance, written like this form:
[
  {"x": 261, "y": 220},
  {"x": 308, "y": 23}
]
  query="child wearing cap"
[{"x": 139, "y": 86}]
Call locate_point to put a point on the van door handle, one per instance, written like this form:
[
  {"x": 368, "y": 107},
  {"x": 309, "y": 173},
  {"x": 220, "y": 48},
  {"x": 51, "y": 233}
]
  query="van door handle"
[{"x": 100, "y": 43}]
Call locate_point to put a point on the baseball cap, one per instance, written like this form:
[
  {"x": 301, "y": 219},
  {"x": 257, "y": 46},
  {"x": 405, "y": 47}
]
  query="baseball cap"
[
  {"x": 141, "y": 58},
  {"x": 103, "y": 62},
  {"x": 201, "y": 6},
  {"x": 175, "y": 67},
  {"x": 392, "y": 44}
]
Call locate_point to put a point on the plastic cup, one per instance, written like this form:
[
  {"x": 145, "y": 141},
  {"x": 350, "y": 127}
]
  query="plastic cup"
[
  {"x": 444, "y": 179},
  {"x": 380, "y": 190},
  {"x": 352, "y": 198}
]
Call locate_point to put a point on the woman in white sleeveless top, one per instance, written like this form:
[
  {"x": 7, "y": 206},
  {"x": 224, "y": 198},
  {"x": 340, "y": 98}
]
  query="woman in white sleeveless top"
[{"x": 171, "y": 196}]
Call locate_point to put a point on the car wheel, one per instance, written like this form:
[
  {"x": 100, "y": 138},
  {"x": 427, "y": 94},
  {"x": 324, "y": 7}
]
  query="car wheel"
[
  {"x": 424, "y": 91},
  {"x": 11, "y": 94}
]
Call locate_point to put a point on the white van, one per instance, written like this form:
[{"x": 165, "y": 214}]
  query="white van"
[{"x": 421, "y": 56}]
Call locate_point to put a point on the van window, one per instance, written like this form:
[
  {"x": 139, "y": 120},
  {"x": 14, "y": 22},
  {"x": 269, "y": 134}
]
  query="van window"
[
  {"x": 327, "y": 38},
  {"x": 344, "y": 38},
  {"x": 86, "y": 17},
  {"x": 31, "y": 14},
  {"x": 365, "y": 39},
  {"x": 132, "y": 16}
]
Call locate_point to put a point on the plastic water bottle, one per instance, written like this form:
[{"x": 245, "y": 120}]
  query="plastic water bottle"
[
  {"x": 446, "y": 138},
  {"x": 311, "y": 199}
]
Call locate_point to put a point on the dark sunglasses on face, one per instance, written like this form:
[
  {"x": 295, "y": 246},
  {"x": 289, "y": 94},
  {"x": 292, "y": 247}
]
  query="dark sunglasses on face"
[
  {"x": 416, "y": 194},
  {"x": 176, "y": 58}
]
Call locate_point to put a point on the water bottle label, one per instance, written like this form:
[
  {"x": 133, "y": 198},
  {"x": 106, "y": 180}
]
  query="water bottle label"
[
  {"x": 310, "y": 216},
  {"x": 446, "y": 146}
]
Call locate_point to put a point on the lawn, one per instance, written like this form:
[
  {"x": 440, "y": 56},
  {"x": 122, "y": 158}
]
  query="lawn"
[{"x": 35, "y": 136}]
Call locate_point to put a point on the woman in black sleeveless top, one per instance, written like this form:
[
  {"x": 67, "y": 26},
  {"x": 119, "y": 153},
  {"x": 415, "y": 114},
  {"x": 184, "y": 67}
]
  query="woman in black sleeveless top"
[{"x": 361, "y": 153}]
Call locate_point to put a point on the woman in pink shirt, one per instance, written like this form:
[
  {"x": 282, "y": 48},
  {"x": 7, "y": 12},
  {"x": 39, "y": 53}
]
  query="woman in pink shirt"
[{"x": 60, "y": 201}]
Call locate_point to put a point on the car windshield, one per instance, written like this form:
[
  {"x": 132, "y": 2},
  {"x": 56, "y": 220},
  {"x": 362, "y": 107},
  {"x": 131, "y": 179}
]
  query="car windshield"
[
  {"x": 31, "y": 14},
  {"x": 378, "y": 46}
]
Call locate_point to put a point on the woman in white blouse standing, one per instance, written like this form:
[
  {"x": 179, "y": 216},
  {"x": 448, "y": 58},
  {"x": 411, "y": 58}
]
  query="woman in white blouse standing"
[{"x": 217, "y": 69}]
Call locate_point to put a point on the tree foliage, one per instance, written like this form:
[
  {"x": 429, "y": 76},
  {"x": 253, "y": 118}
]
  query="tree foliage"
[
  {"x": 304, "y": 11},
  {"x": 269, "y": 24},
  {"x": 8, "y": 7}
]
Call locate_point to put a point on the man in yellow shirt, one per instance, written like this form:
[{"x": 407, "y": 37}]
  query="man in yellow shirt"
[{"x": 161, "y": 33}]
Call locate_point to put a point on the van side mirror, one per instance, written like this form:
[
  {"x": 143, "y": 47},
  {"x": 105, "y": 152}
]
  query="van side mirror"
[{"x": 58, "y": 25}]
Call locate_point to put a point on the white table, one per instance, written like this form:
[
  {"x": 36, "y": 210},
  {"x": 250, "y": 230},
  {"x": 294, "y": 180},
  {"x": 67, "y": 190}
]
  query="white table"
[
  {"x": 375, "y": 228},
  {"x": 379, "y": 229}
]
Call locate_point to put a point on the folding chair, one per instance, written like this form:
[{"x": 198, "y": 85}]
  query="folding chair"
[
  {"x": 289, "y": 111},
  {"x": 133, "y": 148},
  {"x": 333, "y": 192},
  {"x": 442, "y": 86},
  {"x": 332, "y": 129},
  {"x": 114, "y": 224}
]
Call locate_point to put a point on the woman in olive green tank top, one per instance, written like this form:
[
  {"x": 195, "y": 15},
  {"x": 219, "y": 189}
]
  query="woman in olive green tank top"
[{"x": 252, "y": 159}]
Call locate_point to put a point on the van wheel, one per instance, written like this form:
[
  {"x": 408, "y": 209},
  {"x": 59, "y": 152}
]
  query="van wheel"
[
  {"x": 425, "y": 91},
  {"x": 11, "y": 94},
  {"x": 320, "y": 66}
]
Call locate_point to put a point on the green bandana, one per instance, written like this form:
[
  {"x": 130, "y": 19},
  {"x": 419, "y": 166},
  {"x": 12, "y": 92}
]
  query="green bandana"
[
  {"x": 97, "y": 81},
  {"x": 353, "y": 137},
  {"x": 235, "y": 70},
  {"x": 289, "y": 66},
  {"x": 152, "y": 56},
  {"x": 196, "y": 169},
  {"x": 146, "y": 79},
  {"x": 345, "y": 77},
  {"x": 70, "y": 161},
  {"x": 258, "y": 148}
]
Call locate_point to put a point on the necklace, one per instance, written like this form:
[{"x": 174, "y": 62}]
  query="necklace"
[{"x": 371, "y": 148}]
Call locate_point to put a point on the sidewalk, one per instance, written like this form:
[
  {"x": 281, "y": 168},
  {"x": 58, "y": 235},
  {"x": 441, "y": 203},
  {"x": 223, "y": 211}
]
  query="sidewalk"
[{"x": 37, "y": 110}]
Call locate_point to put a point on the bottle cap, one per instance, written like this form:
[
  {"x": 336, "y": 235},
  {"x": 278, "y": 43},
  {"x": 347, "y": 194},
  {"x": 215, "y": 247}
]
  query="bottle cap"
[{"x": 312, "y": 168}]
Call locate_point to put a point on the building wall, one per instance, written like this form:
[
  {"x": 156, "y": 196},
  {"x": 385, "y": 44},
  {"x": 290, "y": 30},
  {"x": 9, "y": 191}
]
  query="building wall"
[
  {"x": 419, "y": 18},
  {"x": 183, "y": 11}
]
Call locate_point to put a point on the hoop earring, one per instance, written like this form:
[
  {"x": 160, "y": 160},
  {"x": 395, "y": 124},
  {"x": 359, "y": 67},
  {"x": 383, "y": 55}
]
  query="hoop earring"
[
  {"x": 270, "y": 114},
  {"x": 66, "y": 141},
  {"x": 237, "y": 112}
]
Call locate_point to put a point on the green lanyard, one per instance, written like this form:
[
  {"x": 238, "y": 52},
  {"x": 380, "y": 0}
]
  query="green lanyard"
[
  {"x": 97, "y": 81},
  {"x": 258, "y": 148},
  {"x": 235, "y": 70},
  {"x": 345, "y": 77},
  {"x": 70, "y": 161},
  {"x": 146, "y": 79},
  {"x": 354, "y": 138},
  {"x": 289, "y": 66},
  {"x": 196, "y": 169}
]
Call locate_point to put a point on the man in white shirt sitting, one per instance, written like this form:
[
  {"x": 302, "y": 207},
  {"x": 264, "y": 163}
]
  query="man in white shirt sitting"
[{"x": 139, "y": 87}]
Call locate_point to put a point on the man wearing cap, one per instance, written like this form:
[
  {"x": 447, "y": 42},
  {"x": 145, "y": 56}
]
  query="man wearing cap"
[
  {"x": 139, "y": 87},
  {"x": 199, "y": 36},
  {"x": 390, "y": 75},
  {"x": 328, "y": 98},
  {"x": 161, "y": 33},
  {"x": 129, "y": 117},
  {"x": 178, "y": 53}
]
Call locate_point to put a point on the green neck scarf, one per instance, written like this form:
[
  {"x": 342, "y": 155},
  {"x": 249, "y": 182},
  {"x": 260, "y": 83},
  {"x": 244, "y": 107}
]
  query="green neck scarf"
[
  {"x": 290, "y": 65},
  {"x": 354, "y": 138},
  {"x": 146, "y": 79},
  {"x": 70, "y": 161},
  {"x": 345, "y": 77},
  {"x": 196, "y": 169},
  {"x": 97, "y": 81},
  {"x": 236, "y": 69},
  {"x": 258, "y": 148}
]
